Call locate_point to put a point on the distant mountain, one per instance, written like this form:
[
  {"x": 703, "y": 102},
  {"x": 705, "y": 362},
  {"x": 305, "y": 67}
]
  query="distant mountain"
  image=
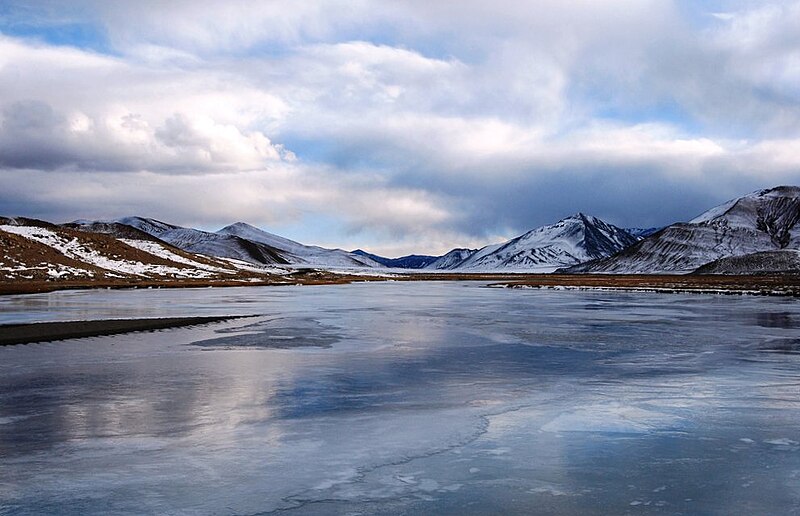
[
  {"x": 763, "y": 221},
  {"x": 573, "y": 240},
  {"x": 296, "y": 253},
  {"x": 756, "y": 233},
  {"x": 210, "y": 244},
  {"x": 412, "y": 261},
  {"x": 452, "y": 259},
  {"x": 238, "y": 241}
]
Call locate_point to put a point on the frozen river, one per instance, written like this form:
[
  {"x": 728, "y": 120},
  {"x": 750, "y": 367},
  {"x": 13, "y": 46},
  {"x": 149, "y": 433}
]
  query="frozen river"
[{"x": 409, "y": 398}]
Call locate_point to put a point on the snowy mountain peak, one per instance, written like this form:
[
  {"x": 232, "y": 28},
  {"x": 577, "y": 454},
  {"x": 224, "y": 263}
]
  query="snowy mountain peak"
[
  {"x": 580, "y": 217},
  {"x": 774, "y": 211},
  {"x": 242, "y": 227},
  {"x": 784, "y": 194},
  {"x": 572, "y": 240},
  {"x": 779, "y": 191},
  {"x": 296, "y": 252},
  {"x": 250, "y": 232},
  {"x": 762, "y": 221}
]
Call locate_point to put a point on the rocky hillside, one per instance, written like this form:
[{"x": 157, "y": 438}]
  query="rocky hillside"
[{"x": 38, "y": 250}]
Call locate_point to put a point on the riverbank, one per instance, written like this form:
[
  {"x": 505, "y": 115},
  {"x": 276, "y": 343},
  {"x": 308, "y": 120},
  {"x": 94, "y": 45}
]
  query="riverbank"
[
  {"x": 767, "y": 284},
  {"x": 299, "y": 278}
]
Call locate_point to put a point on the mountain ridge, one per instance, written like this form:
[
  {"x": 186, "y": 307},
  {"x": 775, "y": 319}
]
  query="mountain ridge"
[
  {"x": 571, "y": 240},
  {"x": 296, "y": 253},
  {"x": 756, "y": 233},
  {"x": 761, "y": 221}
]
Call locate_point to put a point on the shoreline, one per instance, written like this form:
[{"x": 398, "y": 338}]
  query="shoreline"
[
  {"x": 785, "y": 285},
  {"x": 763, "y": 284},
  {"x": 656, "y": 290},
  {"x": 304, "y": 278},
  {"x": 31, "y": 333}
]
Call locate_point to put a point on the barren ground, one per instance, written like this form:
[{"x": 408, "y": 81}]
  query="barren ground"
[{"x": 769, "y": 284}]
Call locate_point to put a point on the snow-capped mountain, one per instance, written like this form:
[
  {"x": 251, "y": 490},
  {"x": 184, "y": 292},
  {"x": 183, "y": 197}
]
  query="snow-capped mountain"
[
  {"x": 452, "y": 259},
  {"x": 207, "y": 243},
  {"x": 35, "y": 250},
  {"x": 575, "y": 239},
  {"x": 766, "y": 220},
  {"x": 296, "y": 253},
  {"x": 238, "y": 241},
  {"x": 756, "y": 233}
]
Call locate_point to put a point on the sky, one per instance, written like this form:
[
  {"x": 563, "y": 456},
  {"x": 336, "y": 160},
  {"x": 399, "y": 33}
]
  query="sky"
[{"x": 395, "y": 126}]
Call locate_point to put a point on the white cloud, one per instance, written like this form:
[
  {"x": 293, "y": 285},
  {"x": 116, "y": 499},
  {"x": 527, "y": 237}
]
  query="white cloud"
[
  {"x": 398, "y": 122},
  {"x": 763, "y": 45},
  {"x": 108, "y": 114},
  {"x": 211, "y": 27}
]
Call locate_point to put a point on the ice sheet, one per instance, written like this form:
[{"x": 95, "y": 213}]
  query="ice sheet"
[{"x": 438, "y": 398}]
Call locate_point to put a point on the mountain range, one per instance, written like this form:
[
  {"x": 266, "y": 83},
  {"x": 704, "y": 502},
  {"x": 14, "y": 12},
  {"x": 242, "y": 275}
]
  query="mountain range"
[
  {"x": 756, "y": 233},
  {"x": 744, "y": 228}
]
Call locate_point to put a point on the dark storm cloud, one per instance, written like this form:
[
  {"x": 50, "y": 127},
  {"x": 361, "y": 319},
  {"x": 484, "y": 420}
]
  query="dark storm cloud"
[{"x": 30, "y": 136}]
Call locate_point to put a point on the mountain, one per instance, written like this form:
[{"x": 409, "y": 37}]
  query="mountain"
[
  {"x": 765, "y": 262},
  {"x": 412, "y": 261},
  {"x": 573, "y": 240},
  {"x": 452, "y": 259},
  {"x": 238, "y": 241},
  {"x": 207, "y": 243},
  {"x": 762, "y": 221},
  {"x": 753, "y": 234},
  {"x": 296, "y": 253},
  {"x": 115, "y": 229},
  {"x": 37, "y": 250}
]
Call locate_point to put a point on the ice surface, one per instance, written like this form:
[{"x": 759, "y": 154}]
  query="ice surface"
[{"x": 416, "y": 398}]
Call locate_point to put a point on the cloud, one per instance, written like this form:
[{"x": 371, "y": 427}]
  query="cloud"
[
  {"x": 398, "y": 123},
  {"x": 278, "y": 197},
  {"x": 207, "y": 27},
  {"x": 111, "y": 115}
]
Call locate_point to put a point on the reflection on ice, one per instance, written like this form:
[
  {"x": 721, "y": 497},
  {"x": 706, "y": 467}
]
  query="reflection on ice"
[
  {"x": 387, "y": 398},
  {"x": 281, "y": 333},
  {"x": 611, "y": 418}
]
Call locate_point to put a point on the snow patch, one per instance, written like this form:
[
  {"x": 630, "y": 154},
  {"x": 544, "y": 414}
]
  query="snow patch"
[
  {"x": 160, "y": 251},
  {"x": 77, "y": 250}
]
